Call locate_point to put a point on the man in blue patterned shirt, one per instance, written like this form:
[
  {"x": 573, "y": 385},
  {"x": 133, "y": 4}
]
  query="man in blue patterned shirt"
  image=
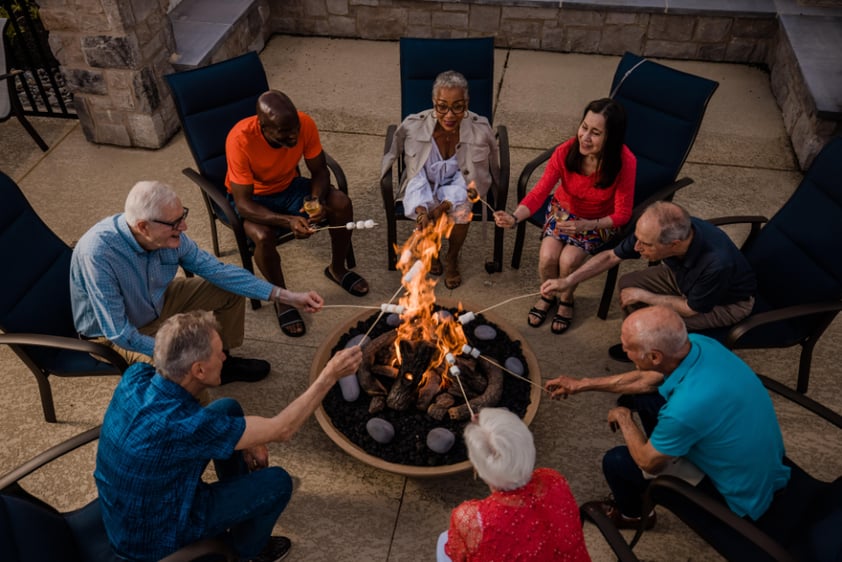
[
  {"x": 123, "y": 282},
  {"x": 157, "y": 439}
]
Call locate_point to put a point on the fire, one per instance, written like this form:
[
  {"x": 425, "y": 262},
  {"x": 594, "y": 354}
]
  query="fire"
[{"x": 420, "y": 323}]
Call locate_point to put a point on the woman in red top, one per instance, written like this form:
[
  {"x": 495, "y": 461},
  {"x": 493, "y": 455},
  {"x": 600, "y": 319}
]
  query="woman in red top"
[
  {"x": 529, "y": 516},
  {"x": 593, "y": 200}
]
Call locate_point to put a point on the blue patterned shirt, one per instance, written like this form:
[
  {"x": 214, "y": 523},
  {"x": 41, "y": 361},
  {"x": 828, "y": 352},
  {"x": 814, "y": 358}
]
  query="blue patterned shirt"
[
  {"x": 116, "y": 286},
  {"x": 155, "y": 443}
]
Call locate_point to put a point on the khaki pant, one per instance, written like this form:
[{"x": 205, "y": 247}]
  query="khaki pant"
[
  {"x": 192, "y": 293},
  {"x": 660, "y": 279}
]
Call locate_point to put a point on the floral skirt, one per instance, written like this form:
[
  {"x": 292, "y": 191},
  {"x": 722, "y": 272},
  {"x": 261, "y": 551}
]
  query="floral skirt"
[{"x": 590, "y": 241}]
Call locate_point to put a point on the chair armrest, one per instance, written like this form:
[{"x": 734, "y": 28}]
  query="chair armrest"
[
  {"x": 796, "y": 311},
  {"x": 387, "y": 187},
  {"x": 591, "y": 512},
  {"x": 338, "y": 173},
  {"x": 10, "y": 74},
  {"x": 73, "y": 344},
  {"x": 714, "y": 508},
  {"x": 529, "y": 169},
  {"x": 665, "y": 193},
  {"x": 200, "y": 549},
  {"x": 502, "y": 193},
  {"x": 805, "y": 402},
  {"x": 756, "y": 221},
  {"x": 48, "y": 456},
  {"x": 209, "y": 189}
]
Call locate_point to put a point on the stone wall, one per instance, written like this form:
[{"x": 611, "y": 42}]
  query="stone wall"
[
  {"x": 114, "y": 54},
  {"x": 609, "y": 30}
]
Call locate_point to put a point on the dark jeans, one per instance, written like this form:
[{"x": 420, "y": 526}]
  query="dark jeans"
[
  {"x": 245, "y": 505},
  {"x": 623, "y": 475}
]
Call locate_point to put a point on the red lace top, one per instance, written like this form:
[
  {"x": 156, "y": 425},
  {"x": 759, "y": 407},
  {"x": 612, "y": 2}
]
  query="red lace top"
[{"x": 539, "y": 521}]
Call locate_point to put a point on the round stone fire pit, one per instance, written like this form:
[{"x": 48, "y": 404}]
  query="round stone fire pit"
[{"x": 518, "y": 396}]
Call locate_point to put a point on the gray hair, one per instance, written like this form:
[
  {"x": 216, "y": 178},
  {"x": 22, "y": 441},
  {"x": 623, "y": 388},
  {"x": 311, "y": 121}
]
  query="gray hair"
[
  {"x": 501, "y": 448},
  {"x": 182, "y": 340},
  {"x": 673, "y": 219},
  {"x": 146, "y": 199},
  {"x": 450, "y": 79},
  {"x": 659, "y": 328}
]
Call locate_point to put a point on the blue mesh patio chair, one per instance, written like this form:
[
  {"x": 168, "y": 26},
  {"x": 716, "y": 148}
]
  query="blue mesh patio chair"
[
  {"x": 799, "y": 272},
  {"x": 421, "y": 60},
  {"x": 664, "y": 110},
  {"x": 35, "y": 312},
  {"x": 32, "y": 530},
  {"x": 210, "y": 101}
]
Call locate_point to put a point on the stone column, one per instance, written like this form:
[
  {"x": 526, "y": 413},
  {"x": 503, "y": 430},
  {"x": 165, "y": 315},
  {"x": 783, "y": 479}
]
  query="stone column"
[{"x": 114, "y": 54}]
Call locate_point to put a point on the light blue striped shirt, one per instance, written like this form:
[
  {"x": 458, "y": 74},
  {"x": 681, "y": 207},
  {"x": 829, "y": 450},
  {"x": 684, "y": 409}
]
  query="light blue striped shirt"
[{"x": 116, "y": 286}]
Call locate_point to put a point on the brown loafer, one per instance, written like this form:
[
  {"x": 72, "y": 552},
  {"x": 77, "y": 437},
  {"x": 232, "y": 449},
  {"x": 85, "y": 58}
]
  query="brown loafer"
[{"x": 610, "y": 509}]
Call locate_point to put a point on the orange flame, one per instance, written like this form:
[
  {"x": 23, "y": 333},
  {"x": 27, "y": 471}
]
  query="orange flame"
[{"x": 419, "y": 321}]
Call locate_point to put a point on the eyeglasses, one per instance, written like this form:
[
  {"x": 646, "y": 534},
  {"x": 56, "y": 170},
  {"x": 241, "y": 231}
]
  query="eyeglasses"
[
  {"x": 458, "y": 108},
  {"x": 176, "y": 223}
]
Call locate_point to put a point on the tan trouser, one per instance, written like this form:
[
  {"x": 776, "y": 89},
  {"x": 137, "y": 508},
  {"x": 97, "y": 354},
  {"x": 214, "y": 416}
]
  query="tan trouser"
[
  {"x": 660, "y": 279},
  {"x": 193, "y": 293}
]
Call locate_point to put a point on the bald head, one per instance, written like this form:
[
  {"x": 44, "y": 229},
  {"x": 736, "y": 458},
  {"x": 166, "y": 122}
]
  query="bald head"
[
  {"x": 657, "y": 337},
  {"x": 278, "y": 119},
  {"x": 673, "y": 221}
]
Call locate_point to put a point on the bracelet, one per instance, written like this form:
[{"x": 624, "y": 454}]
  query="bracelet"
[{"x": 514, "y": 218}]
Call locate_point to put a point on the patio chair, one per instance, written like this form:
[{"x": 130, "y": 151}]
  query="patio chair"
[
  {"x": 421, "y": 60},
  {"x": 9, "y": 102},
  {"x": 811, "y": 533},
  {"x": 210, "y": 101},
  {"x": 664, "y": 110},
  {"x": 35, "y": 312},
  {"x": 590, "y": 512},
  {"x": 795, "y": 257},
  {"x": 33, "y": 530}
]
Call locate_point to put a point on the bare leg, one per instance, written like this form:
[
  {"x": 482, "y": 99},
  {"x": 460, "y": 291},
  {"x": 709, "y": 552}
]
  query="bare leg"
[
  {"x": 548, "y": 257},
  {"x": 570, "y": 259},
  {"x": 268, "y": 261},
  {"x": 340, "y": 211},
  {"x": 458, "y": 233}
]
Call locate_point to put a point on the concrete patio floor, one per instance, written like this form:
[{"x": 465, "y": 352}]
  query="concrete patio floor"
[{"x": 742, "y": 163}]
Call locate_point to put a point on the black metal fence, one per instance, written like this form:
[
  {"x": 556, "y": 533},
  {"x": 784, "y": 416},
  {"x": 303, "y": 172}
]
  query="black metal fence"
[{"x": 40, "y": 87}]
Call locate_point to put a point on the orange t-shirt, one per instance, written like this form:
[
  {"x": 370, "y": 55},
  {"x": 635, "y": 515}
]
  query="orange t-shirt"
[{"x": 252, "y": 161}]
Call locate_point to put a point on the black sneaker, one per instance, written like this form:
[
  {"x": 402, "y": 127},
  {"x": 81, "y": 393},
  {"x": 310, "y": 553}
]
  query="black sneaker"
[
  {"x": 275, "y": 550},
  {"x": 245, "y": 370},
  {"x": 617, "y": 354}
]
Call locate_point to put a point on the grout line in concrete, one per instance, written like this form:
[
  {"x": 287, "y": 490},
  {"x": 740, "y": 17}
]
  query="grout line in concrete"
[{"x": 397, "y": 518}]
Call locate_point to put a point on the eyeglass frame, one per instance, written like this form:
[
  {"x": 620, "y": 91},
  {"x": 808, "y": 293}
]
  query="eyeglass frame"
[
  {"x": 449, "y": 108},
  {"x": 176, "y": 223}
]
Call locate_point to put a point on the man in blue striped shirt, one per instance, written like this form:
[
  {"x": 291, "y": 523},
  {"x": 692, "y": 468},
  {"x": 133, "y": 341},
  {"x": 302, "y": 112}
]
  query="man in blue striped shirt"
[{"x": 123, "y": 282}]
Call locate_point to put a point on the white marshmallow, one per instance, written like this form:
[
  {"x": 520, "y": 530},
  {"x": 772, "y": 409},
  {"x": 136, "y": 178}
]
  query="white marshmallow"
[
  {"x": 350, "y": 225},
  {"x": 396, "y": 308},
  {"x": 454, "y": 370},
  {"x": 466, "y": 318},
  {"x": 451, "y": 360},
  {"x": 466, "y": 349},
  {"x": 413, "y": 271},
  {"x": 475, "y": 352},
  {"x": 360, "y": 225},
  {"x": 369, "y": 223}
]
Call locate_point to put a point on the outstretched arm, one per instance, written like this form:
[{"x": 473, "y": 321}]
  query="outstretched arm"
[
  {"x": 631, "y": 382},
  {"x": 591, "y": 268},
  {"x": 285, "y": 424}
]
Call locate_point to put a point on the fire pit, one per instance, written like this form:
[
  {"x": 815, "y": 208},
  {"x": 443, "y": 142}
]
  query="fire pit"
[{"x": 415, "y": 407}]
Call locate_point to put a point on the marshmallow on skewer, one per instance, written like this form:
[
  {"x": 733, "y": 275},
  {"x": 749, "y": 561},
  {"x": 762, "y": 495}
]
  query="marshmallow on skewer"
[
  {"x": 413, "y": 271},
  {"x": 472, "y": 351},
  {"x": 360, "y": 225},
  {"x": 451, "y": 360},
  {"x": 455, "y": 371},
  {"x": 395, "y": 308},
  {"x": 370, "y": 223},
  {"x": 466, "y": 318}
]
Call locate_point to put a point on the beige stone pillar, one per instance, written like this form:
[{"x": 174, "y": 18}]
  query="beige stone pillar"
[{"x": 114, "y": 55}]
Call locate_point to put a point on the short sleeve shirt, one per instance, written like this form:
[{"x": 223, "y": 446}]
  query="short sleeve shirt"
[
  {"x": 155, "y": 443},
  {"x": 713, "y": 272},
  {"x": 720, "y": 417},
  {"x": 252, "y": 161}
]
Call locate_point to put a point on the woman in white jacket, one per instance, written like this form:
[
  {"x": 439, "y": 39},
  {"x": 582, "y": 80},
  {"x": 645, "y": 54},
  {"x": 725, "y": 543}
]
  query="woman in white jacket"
[{"x": 445, "y": 149}]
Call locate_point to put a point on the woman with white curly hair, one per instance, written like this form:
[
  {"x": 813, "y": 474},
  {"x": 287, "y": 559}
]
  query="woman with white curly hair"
[{"x": 530, "y": 514}]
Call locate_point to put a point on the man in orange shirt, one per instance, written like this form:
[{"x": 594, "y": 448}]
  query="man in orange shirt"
[{"x": 263, "y": 153}]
